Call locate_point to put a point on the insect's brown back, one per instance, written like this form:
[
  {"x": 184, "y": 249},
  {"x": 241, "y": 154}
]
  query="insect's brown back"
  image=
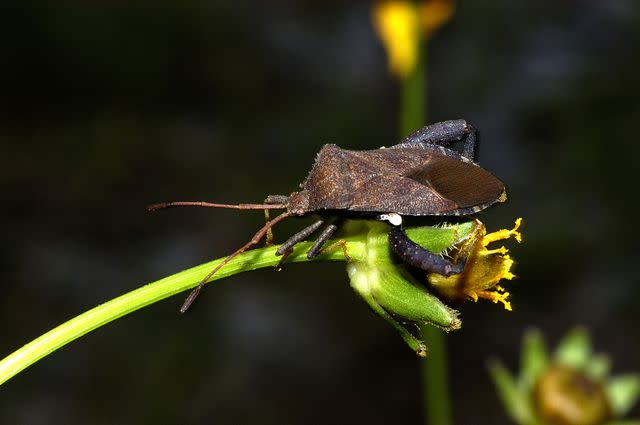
[{"x": 412, "y": 181}]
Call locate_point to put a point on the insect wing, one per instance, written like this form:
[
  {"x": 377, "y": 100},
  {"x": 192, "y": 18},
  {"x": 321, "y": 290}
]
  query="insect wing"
[
  {"x": 421, "y": 181},
  {"x": 463, "y": 182}
]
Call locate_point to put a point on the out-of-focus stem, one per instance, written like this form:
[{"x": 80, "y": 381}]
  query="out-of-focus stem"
[{"x": 435, "y": 383}]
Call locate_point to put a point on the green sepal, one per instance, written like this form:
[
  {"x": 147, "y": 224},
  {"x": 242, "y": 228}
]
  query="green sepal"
[
  {"x": 399, "y": 293},
  {"x": 574, "y": 350},
  {"x": 395, "y": 290},
  {"x": 516, "y": 401},
  {"x": 388, "y": 287},
  {"x": 623, "y": 392},
  {"x": 438, "y": 239},
  {"x": 534, "y": 358}
]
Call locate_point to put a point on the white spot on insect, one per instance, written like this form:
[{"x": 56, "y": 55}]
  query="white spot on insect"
[{"x": 393, "y": 218}]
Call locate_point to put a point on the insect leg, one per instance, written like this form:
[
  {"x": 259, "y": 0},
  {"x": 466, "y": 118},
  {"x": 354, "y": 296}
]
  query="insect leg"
[
  {"x": 415, "y": 255},
  {"x": 254, "y": 240},
  {"x": 342, "y": 244},
  {"x": 445, "y": 133},
  {"x": 324, "y": 237},
  {"x": 269, "y": 239},
  {"x": 272, "y": 199},
  {"x": 299, "y": 237}
]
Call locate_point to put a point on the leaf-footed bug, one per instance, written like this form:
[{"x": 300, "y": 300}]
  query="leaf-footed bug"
[{"x": 420, "y": 176}]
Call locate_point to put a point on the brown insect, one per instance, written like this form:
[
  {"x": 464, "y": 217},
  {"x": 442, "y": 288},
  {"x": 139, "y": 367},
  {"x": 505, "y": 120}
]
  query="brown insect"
[{"x": 420, "y": 176}]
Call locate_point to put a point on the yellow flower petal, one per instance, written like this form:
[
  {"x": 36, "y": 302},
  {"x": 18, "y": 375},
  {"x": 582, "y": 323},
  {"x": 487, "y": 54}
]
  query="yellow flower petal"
[
  {"x": 483, "y": 270},
  {"x": 504, "y": 234}
]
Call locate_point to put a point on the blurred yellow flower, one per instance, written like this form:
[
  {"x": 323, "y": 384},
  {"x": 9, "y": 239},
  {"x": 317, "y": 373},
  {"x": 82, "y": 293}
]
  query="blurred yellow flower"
[
  {"x": 483, "y": 270},
  {"x": 400, "y": 23}
]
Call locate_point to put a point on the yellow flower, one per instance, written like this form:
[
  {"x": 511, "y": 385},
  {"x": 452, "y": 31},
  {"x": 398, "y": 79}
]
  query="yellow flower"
[
  {"x": 483, "y": 270},
  {"x": 400, "y": 23}
]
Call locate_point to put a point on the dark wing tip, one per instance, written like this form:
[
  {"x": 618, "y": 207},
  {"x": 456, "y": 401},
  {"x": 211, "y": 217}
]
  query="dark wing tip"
[{"x": 465, "y": 183}]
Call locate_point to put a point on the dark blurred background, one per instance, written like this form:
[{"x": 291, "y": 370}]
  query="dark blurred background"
[{"x": 106, "y": 109}]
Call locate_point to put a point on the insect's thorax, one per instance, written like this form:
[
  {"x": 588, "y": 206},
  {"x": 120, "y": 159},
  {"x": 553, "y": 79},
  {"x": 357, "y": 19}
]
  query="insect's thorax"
[{"x": 298, "y": 203}]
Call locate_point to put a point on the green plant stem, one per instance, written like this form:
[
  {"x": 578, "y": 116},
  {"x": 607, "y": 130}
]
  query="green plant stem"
[
  {"x": 435, "y": 371},
  {"x": 154, "y": 292},
  {"x": 364, "y": 241},
  {"x": 434, "y": 375},
  {"x": 413, "y": 102}
]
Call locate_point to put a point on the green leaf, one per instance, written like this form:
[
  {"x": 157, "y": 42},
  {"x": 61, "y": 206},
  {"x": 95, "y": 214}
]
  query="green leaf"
[
  {"x": 574, "y": 349},
  {"x": 534, "y": 358},
  {"x": 623, "y": 392}
]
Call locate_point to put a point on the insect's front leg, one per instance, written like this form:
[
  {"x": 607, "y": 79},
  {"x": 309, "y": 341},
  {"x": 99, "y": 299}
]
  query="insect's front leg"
[
  {"x": 415, "y": 255},
  {"x": 272, "y": 199},
  {"x": 298, "y": 237},
  {"x": 287, "y": 247},
  {"x": 444, "y": 133}
]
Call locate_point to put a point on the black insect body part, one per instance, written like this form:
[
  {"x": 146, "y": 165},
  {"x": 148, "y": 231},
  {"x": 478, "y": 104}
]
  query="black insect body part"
[{"x": 420, "y": 176}]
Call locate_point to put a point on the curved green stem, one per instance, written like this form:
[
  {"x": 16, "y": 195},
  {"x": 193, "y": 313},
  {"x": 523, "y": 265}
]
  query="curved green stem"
[
  {"x": 151, "y": 293},
  {"x": 365, "y": 242}
]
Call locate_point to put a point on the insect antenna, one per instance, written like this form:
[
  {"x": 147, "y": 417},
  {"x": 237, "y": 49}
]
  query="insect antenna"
[
  {"x": 254, "y": 240},
  {"x": 164, "y": 205}
]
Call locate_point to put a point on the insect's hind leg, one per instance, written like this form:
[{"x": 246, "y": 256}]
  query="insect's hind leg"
[
  {"x": 445, "y": 133},
  {"x": 415, "y": 255}
]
